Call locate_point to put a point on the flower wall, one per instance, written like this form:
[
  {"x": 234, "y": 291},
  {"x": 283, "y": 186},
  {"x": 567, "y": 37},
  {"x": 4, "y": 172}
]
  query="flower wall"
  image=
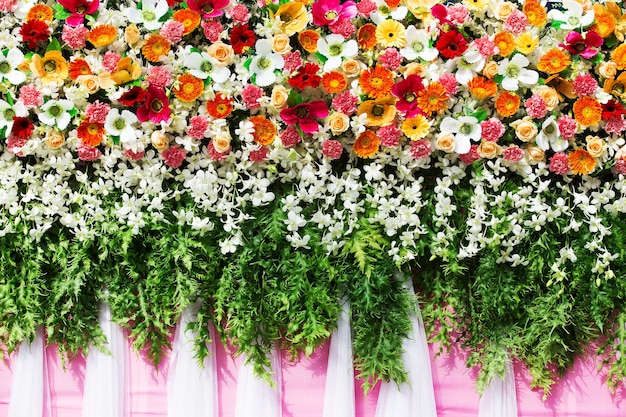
[{"x": 272, "y": 159}]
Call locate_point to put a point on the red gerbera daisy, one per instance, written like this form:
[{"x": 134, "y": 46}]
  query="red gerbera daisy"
[
  {"x": 22, "y": 127},
  {"x": 451, "y": 44},
  {"x": 306, "y": 76},
  {"x": 34, "y": 31},
  {"x": 136, "y": 95},
  {"x": 612, "y": 109},
  {"x": 242, "y": 38}
]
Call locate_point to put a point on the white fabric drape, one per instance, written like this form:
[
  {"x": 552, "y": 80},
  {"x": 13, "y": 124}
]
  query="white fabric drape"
[
  {"x": 29, "y": 374},
  {"x": 417, "y": 397},
  {"x": 499, "y": 398},
  {"x": 339, "y": 391},
  {"x": 255, "y": 396},
  {"x": 106, "y": 372},
  {"x": 191, "y": 389}
]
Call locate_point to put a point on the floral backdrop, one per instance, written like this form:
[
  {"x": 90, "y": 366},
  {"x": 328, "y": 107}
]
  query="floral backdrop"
[{"x": 269, "y": 159}]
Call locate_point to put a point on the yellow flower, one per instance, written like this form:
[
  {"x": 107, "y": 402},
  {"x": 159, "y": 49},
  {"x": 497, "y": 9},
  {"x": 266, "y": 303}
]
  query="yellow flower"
[
  {"x": 391, "y": 33},
  {"x": 378, "y": 112},
  {"x": 292, "y": 17},
  {"x": 476, "y": 5},
  {"x": 51, "y": 69},
  {"x": 416, "y": 128},
  {"x": 526, "y": 43}
]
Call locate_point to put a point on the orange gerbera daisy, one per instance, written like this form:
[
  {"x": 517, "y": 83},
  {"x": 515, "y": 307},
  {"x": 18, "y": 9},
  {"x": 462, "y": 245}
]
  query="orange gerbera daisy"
[
  {"x": 334, "y": 82},
  {"x": 40, "y": 12},
  {"x": 587, "y": 111},
  {"x": 308, "y": 39},
  {"x": 481, "y": 88},
  {"x": 220, "y": 107},
  {"x": 507, "y": 104},
  {"x": 554, "y": 61},
  {"x": 366, "y": 145},
  {"x": 189, "y": 87},
  {"x": 535, "y": 13},
  {"x": 366, "y": 36},
  {"x": 189, "y": 18},
  {"x": 619, "y": 56},
  {"x": 79, "y": 67},
  {"x": 90, "y": 134},
  {"x": 264, "y": 130},
  {"x": 376, "y": 82},
  {"x": 505, "y": 43},
  {"x": 102, "y": 35},
  {"x": 581, "y": 162},
  {"x": 155, "y": 47},
  {"x": 605, "y": 22},
  {"x": 433, "y": 99}
]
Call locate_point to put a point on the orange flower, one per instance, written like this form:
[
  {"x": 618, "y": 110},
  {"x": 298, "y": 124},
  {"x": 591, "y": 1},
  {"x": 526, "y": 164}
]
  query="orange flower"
[
  {"x": 535, "y": 13},
  {"x": 619, "y": 56},
  {"x": 505, "y": 43},
  {"x": 189, "y": 18},
  {"x": 264, "y": 130},
  {"x": 581, "y": 162},
  {"x": 220, "y": 107},
  {"x": 334, "y": 82},
  {"x": 481, "y": 88},
  {"x": 79, "y": 67},
  {"x": 155, "y": 47},
  {"x": 433, "y": 99},
  {"x": 366, "y": 36},
  {"x": 52, "y": 68},
  {"x": 507, "y": 104},
  {"x": 605, "y": 22},
  {"x": 366, "y": 145},
  {"x": 189, "y": 87},
  {"x": 90, "y": 134},
  {"x": 308, "y": 39},
  {"x": 554, "y": 61},
  {"x": 102, "y": 35},
  {"x": 40, "y": 12},
  {"x": 587, "y": 111},
  {"x": 378, "y": 112},
  {"x": 376, "y": 82},
  {"x": 126, "y": 71}
]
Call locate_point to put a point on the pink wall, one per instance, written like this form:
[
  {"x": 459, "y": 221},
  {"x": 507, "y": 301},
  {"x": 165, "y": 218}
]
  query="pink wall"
[{"x": 580, "y": 394}]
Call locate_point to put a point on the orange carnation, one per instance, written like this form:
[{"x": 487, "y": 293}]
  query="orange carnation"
[
  {"x": 264, "y": 130},
  {"x": 366, "y": 145},
  {"x": 334, "y": 82},
  {"x": 102, "y": 35},
  {"x": 581, "y": 162},
  {"x": 481, "y": 88},
  {"x": 189, "y": 88},
  {"x": 220, "y": 107},
  {"x": 376, "y": 82},
  {"x": 507, "y": 104},
  {"x": 189, "y": 18},
  {"x": 308, "y": 39},
  {"x": 505, "y": 43},
  {"x": 587, "y": 111},
  {"x": 155, "y": 47},
  {"x": 554, "y": 61}
]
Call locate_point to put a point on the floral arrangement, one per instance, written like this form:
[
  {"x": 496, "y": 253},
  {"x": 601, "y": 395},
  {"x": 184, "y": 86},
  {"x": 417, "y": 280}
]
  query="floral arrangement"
[{"x": 268, "y": 159}]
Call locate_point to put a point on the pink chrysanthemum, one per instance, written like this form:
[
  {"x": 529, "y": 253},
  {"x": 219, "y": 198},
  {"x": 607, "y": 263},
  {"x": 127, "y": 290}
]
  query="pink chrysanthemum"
[
  {"x": 212, "y": 29},
  {"x": 198, "y": 125},
  {"x": 620, "y": 167},
  {"x": 420, "y": 148},
  {"x": 585, "y": 85},
  {"x": 458, "y": 14},
  {"x": 485, "y": 46},
  {"x": 390, "y": 58},
  {"x": 134, "y": 156},
  {"x": 536, "y": 106},
  {"x": 259, "y": 155},
  {"x": 449, "y": 83},
  {"x": 471, "y": 156},
  {"x": 88, "y": 153},
  {"x": 389, "y": 136},
  {"x": 159, "y": 77},
  {"x": 516, "y": 23},
  {"x": 615, "y": 125},
  {"x": 110, "y": 60},
  {"x": 30, "y": 96},
  {"x": 97, "y": 112},
  {"x": 492, "y": 129},
  {"x": 214, "y": 154},
  {"x": 567, "y": 127},
  {"x": 240, "y": 14},
  {"x": 366, "y": 7},
  {"x": 513, "y": 154},
  {"x": 293, "y": 61},
  {"x": 290, "y": 137},
  {"x": 172, "y": 31},
  {"x": 345, "y": 102},
  {"x": 174, "y": 156},
  {"x": 559, "y": 163},
  {"x": 344, "y": 28},
  {"x": 332, "y": 149},
  {"x": 251, "y": 96},
  {"x": 74, "y": 37}
]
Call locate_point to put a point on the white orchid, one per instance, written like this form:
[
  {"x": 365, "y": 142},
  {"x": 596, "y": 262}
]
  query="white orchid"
[
  {"x": 550, "y": 137},
  {"x": 335, "y": 48},
  {"x": 150, "y": 13},
  {"x": 418, "y": 45},
  {"x": 8, "y": 66},
  {"x": 515, "y": 73},
  {"x": 56, "y": 113},
  {"x": 573, "y": 16},
  {"x": 467, "y": 66},
  {"x": 265, "y": 62},
  {"x": 203, "y": 66},
  {"x": 465, "y": 129},
  {"x": 121, "y": 124}
]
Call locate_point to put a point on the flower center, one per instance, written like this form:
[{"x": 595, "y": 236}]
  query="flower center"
[
  {"x": 512, "y": 71},
  {"x": 335, "y": 49},
  {"x": 5, "y": 67},
  {"x": 149, "y": 15},
  {"x": 156, "y": 106},
  {"x": 418, "y": 47},
  {"x": 378, "y": 110},
  {"x": 410, "y": 97},
  {"x": 207, "y": 8},
  {"x": 264, "y": 63},
  {"x": 285, "y": 18},
  {"x": 550, "y": 129},
  {"x": 206, "y": 67},
  {"x": 384, "y": 10},
  {"x": 119, "y": 123},
  {"x": 55, "y": 110},
  {"x": 331, "y": 15},
  {"x": 377, "y": 83},
  {"x": 580, "y": 46},
  {"x": 9, "y": 114},
  {"x": 573, "y": 20},
  {"x": 49, "y": 66},
  {"x": 92, "y": 128},
  {"x": 465, "y": 129},
  {"x": 302, "y": 112},
  {"x": 81, "y": 9}
]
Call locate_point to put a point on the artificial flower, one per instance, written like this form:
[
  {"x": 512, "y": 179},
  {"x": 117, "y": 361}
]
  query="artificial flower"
[
  {"x": 378, "y": 112},
  {"x": 291, "y": 17},
  {"x": 327, "y": 12},
  {"x": 156, "y": 107},
  {"x": 265, "y": 62},
  {"x": 79, "y": 9},
  {"x": 585, "y": 46},
  {"x": 516, "y": 74},
  {"x": 208, "y": 9},
  {"x": 9, "y": 66},
  {"x": 550, "y": 137},
  {"x": 56, "y": 113},
  {"x": 335, "y": 48},
  {"x": 305, "y": 114},
  {"x": 150, "y": 14},
  {"x": 465, "y": 129},
  {"x": 407, "y": 93},
  {"x": 366, "y": 144},
  {"x": 418, "y": 45},
  {"x": 573, "y": 17},
  {"x": 188, "y": 88},
  {"x": 376, "y": 82},
  {"x": 581, "y": 162},
  {"x": 204, "y": 66},
  {"x": 451, "y": 44}
]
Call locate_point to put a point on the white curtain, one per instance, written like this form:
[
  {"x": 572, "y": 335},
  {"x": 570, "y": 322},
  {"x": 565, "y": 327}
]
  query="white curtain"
[
  {"x": 499, "y": 398},
  {"x": 417, "y": 397},
  {"x": 339, "y": 391},
  {"x": 29, "y": 375},
  {"x": 106, "y": 372},
  {"x": 191, "y": 388},
  {"x": 255, "y": 396}
]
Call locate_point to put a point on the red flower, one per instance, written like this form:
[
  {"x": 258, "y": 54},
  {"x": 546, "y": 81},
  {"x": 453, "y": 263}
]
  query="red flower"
[
  {"x": 440, "y": 13},
  {"x": 22, "y": 127},
  {"x": 306, "y": 77},
  {"x": 407, "y": 92},
  {"x": 208, "y": 8},
  {"x": 576, "y": 44},
  {"x": 78, "y": 9},
  {"x": 34, "y": 31},
  {"x": 304, "y": 115},
  {"x": 242, "y": 38},
  {"x": 136, "y": 95},
  {"x": 612, "y": 109},
  {"x": 451, "y": 44},
  {"x": 156, "y": 108}
]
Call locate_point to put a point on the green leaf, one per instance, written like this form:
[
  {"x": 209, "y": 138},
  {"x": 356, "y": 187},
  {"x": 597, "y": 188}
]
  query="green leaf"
[
  {"x": 54, "y": 45},
  {"x": 480, "y": 114},
  {"x": 294, "y": 98}
]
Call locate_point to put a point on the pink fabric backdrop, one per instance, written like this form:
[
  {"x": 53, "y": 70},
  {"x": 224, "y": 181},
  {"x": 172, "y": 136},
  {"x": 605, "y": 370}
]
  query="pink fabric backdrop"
[{"x": 580, "y": 394}]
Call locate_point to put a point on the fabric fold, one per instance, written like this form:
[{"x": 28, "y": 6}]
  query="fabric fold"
[
  {"x": 27, "y": 385},
  {"x": 500, "y": 398},
  {"x": 257, "y": 397}
]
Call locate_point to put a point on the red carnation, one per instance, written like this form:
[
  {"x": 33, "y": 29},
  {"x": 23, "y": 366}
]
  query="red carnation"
[
  {"x": 242, "y": 38},
  {"x": 34, "y": 31},
  {"x": 451, "y": 44},
  {"x": 306, "y": 77},
  {"x": 22, "y": 127},
  {"x": 136, "y": 95}
]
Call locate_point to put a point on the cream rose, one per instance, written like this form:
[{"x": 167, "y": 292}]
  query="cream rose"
[
  {"x": 280, "y": 44},
  {"x": 445, "y": 141},
  {"x": 504, "y": 10},
  {"x": 90, "y": 82},
  {"x": 338, "y": 123},
  {"x": 352, "y": 67},
  {"x": 595, "y": 146},
  {"x": 525, "y": 129},
  {"x": 131, "y": 34},
  {"x": 490, "y": 69},
  {"x": 414, "y": 68},
  {"x": 607, "y": 69},
  {"x": 55, "y": 139},
  {"x": 488, "y": 149},
  {"x": 549, "y": 96},
  {"x": 279, "y": 97},
  {"x": 221, "y": 142},
  {"x": 222, "y": 53},
  {"x": 160, "y": 140},
  {"x": 535, "y": 153}
]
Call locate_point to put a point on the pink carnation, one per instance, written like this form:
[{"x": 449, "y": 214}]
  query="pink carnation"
[
  {"x": 293, "y": 61},
  {"x": 15, "y": 145},
  {"x": 174, "y": 156},
  {"x": 343, "y": 27},
  {"x": 471, "y": 156},
  {"x": 214, "y": 154},
  {"x": 536, "y": 106},
  {"x": 389, "y": 136},
  {"x": 212, "y": 29},
  {"x": 259, "y": 155},
  {"x": 74, "y": 37},
  {"x": 240, "y": 14},
  {"x": 420, "y": 148},
  {"x": 366, "y": 7},
  {"x": 513, "y": 154},
  {"x": 458, "y": 14},
  {"x": 97, "y": 112},
  {"x": 251, "y": 96},
  {"x": 567, "y": 127},
  {"x": 134, "y": 156},
  {"x": 290, "y": 137},
  {"x": 390, "y": 59},
  {"x": 345, "y": 102},
  {"x": 492, "y": 129},
  {"x": 485, "y": 46},
  {"x": 110, "y": 60},
  {"x": 88, "y": 153},
  {"x": 172, "y": 31},
  {"x": 31, "y": 96},
  {"x": 449, "y": 83},
  {"x": 159, "y": 77},
  {"x": 7, "y": 6},
  {"x": 516, "y": 23},
  {"x": 559, "y": 163},
  {"x": 198, "y": 126},
  {"x": 332, "y": 149},
  {"x": 620, "y": 167},
  {"x": 585, "y": 85},
  {"x": 615, "y": 125}
]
